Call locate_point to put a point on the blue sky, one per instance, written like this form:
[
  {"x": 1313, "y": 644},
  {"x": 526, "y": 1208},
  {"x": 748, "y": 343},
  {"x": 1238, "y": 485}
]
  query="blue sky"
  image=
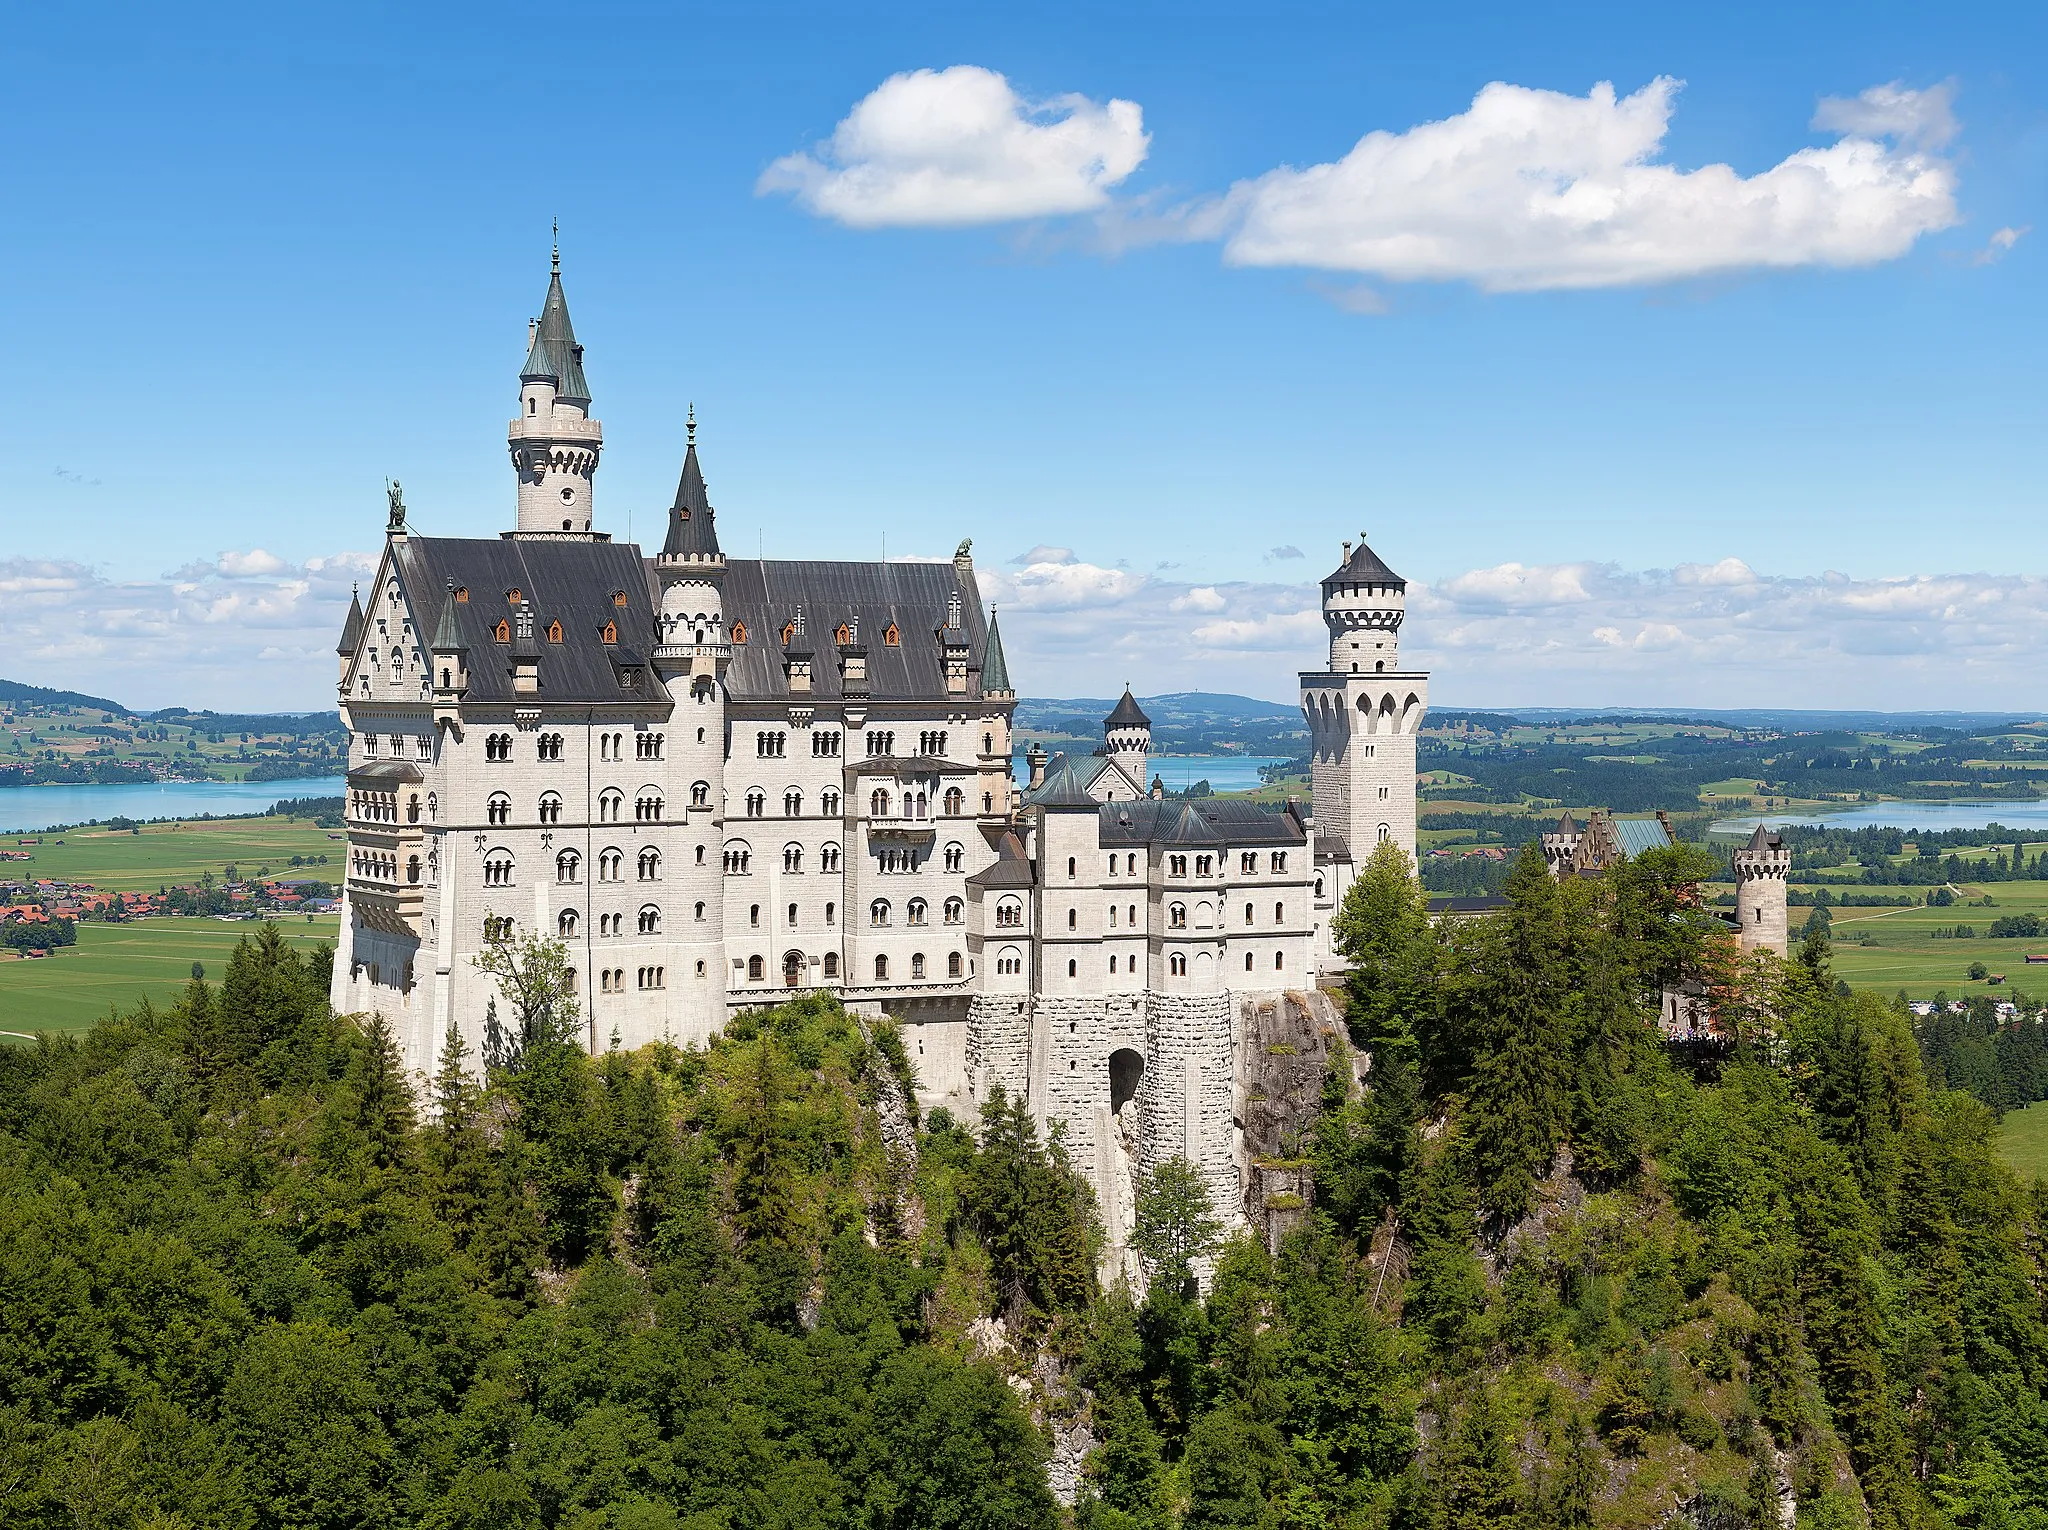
[{"x": 264, "y": 258}]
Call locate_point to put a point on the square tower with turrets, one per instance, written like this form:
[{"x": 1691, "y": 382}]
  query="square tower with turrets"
[{"x": 1364, "y": 713}]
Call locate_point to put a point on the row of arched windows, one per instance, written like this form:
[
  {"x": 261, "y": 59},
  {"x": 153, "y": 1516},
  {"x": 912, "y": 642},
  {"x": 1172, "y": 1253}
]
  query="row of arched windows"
[{"x": 915, "y": 912}]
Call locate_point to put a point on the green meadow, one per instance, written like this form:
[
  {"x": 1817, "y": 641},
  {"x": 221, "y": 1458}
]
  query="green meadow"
[
  {"x": 165, "y": 854},
  {"x": 2023, "y": 1141},
  {"x": 1904, "y": 951},
  {"x": 115, "y": 965}
]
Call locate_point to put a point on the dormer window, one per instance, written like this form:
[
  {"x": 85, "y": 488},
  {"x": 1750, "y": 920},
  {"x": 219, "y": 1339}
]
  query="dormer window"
[
  {"x": 513, "y": 596},
  {"x": 844, "y": 636},
  {"x": 462, "y": 594},
  {"x": 503, "y": 631},
  {"x": 554, "y": 632},
  {"x": 739, "y": 632},
  {"x": 610, "y": 633},
  {"x": 891, "y": 637},
  {"x": 618, "y": 597},
  {"x": 788, "y": 632}
]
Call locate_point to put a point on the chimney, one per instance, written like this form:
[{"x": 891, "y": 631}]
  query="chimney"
[{"x": 1035, "y": 758}]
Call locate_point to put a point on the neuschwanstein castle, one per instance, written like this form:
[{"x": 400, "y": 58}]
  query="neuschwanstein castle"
[{"x": 720, "y": 779}]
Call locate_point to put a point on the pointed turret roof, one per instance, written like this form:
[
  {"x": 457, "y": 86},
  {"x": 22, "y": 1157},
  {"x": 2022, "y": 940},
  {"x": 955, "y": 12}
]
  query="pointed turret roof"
[
  {"x": 1128, "y": 714},
  {"x": 447, "y": 635},
  {"x": 995, "y": 669},
  {"x": 1365, "y": 566},
  {"x": 352, "y": 627},
  {"x": 1763, "y": 839},
  {"x": 692, "y": 528},
  {"x": 554, "y": 352}
]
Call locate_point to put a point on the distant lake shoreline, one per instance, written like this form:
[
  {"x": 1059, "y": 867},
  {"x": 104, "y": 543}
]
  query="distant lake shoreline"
[
  {"x": 1905, "y": 813},
  {"x": 32, "y": 809}
]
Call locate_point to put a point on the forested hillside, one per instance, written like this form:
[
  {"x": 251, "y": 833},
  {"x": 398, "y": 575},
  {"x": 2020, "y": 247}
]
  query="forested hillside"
[{"x": 1554, "y": 1275}]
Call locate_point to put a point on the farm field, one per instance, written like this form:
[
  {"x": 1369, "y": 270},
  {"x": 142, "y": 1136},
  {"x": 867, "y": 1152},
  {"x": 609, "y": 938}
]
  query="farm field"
[
  {"x": 1909, "y": 957},
  {"x": 114, "y": 965},
  {"x": 165, "y": 854},
  {"x": 2023, "y": 1141}
]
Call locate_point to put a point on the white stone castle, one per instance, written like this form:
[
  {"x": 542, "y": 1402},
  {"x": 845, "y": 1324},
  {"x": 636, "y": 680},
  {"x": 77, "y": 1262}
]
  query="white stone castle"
[{"x": 720, "y": 781}]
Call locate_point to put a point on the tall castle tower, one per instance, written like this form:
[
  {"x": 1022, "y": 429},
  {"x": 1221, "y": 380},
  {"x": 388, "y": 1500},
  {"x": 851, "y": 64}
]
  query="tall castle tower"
[
  {"x": 1761, "y": 869},
  {"x": 1127, "y": 739},
  {"x": 555, "y": 444},
  {"x": 691, "y": 655},
  {"x": 1364, "y": 711}
]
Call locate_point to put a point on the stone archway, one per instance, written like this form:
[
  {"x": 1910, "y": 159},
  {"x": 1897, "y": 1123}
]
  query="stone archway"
[
  {"x": 1126, "y": 1073},
  {"x": 793, "y": 969}
]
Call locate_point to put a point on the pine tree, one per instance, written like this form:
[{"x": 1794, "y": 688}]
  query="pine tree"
[{"x": 384, "y": 1110}]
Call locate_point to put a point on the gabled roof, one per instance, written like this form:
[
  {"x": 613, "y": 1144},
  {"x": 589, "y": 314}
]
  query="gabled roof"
[
  {"x": 1128, "y": 714},
  {"x": 1365, "y": 566},
  {"x": 692, "y": 528},
  {"x": 911, "y": 597},
  {"x": 1063, "y": 788},
  {"x": 1011, "y": 868},
  {"x": 995, "y": 669},
  {"x": 1197, "y": 821},
  {"x": 352, "y": 628},
  {"x": 575, "y": 583}
]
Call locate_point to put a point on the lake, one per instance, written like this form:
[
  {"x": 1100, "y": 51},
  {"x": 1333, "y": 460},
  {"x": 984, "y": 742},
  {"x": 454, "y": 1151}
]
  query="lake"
[
  {"x": 1223, "y": 772},
  {"x": 1903, "y": 815},
  {"x": 27, "y": 808}
]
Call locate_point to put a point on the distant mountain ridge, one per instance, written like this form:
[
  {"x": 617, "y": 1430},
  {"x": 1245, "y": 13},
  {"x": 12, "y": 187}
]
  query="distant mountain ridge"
[{"x": 14, "y": 690}]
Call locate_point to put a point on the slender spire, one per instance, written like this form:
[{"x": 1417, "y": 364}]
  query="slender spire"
[
  {"x": 553, "y": 352},
  {"x": 995, "y": 669},
  {"x": 692, "y": 525},
  {"x": 352, "y": 626},
  {"x": 447, "y": 635}
]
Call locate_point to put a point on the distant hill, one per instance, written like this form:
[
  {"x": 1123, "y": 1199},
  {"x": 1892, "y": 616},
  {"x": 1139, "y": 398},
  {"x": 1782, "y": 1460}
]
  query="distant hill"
[
  {"x": 1183, "y": 722},
  {"x": 14, "y": 690}
]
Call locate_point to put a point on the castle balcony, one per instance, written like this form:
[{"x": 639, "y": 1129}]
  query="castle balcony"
[
  {"x": 903, "y": 830},
  {"x": 694, "y": 658},
  {"x": 395, "y": 908}
]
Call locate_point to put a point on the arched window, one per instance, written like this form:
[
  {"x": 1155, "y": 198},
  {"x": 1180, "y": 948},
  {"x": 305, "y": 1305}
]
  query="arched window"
[
  {"x": 828, "y": 857},
  {"x": 878, "y": 803},
  {"x": 828, "y": 802},
  {"x": 1177, "y": 964},
  {"x": 1247, "y": 961},
  {"x": 1177, "y": 916},
  {"x": 1072, "y": 864},
  {"x": 567, "y": 865},
  {"x": 1073, "y": 918},
  {"x": 498, "y": 809},
  {"x": 956, "y": 911},
  {"x": 1072, "y": 968},
  {"x": 610, "y": 634},
  {"x": 757, "y": 803},
  {"x": 550, "y": 808},
  {"x": 1279, "y": 961},
  {"x": 738, "y": 858},
  {"x": 917, "y": 964},
  {"x": 955, "y": 801},
  {"x": 503, "y": 631},
  {"x": 792, "y": 803},
  {"x": 914, "y": 911},
  {"x": 1247, "y": 913},
  {"x": 1279, "y": 913},
  {"x": 757, "y": 969},
  {"x": 881, "y": 969},
  {"x": 953, "y": 964},
  {"x": 955, "y": 857},
  {"x": 647, "y": 807},
  {"x": 793, "y": 858},
  {"x": 650, "y": 920},
  {"x": 554, "y": 632},
  {"x": 650, "y": 865},
  {"x": 412, "y": 808},
  {"x": 1009, "y": 913},
  {"x": 610, "y": 864},
  {"x": 831, "y": 964},
  {"x": 565, "y": 923},
  {"x": 878, "y": 912},
  {"x": 610, "y": 805},
  {"x": 700, "y": 794},
  {"x": 412, "y": 869},
  {"x": 498, "y": 869}
]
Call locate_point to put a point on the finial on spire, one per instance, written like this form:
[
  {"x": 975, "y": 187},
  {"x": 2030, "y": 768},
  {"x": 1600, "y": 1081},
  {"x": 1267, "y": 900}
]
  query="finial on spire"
[
  {"x": 555, "y": 228},
  {"x": 690, "y": 424}
]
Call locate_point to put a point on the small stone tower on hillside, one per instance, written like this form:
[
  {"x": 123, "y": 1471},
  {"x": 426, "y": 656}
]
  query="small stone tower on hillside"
[
  {"x": 1761, "y": 869},
  {"x": 555, "y": 443}
]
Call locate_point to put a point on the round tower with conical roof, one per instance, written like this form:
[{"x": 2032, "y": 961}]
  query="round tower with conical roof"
[
  {"x": 555, "y": 444},
  {"x": 1127, "y": 739},
  {"x": 1762, "y": 868}
]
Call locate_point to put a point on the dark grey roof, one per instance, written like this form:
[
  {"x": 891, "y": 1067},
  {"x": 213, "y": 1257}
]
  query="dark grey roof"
[
  {"x": 382, "y": 772},
  {"x": 692, "y": 528},
  {"x": 1365, "y": 566},
  {"x": 554, "y": 352},
  {"x": 1012, "y": 867},
  {"x": 1063, "y": 788},
  {"x": 1201, "y": 821},
  {"x": 1567, "y": 824},
  {"x": 447, "y": 631},
  {"x": 575, "y": 583},
  {"x": 1763, "y": 839},
  {"x": 995, "y": 669},
  {"x": 764, "y": 594},
  {"x": 1128, "y": 714},
  {"x": 351, "y": 628}
]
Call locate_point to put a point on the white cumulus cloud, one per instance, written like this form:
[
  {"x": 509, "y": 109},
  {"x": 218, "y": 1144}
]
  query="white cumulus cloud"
[
  {"x": 940, "y": 147},
  {"x": 1532, "y": 189}
]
